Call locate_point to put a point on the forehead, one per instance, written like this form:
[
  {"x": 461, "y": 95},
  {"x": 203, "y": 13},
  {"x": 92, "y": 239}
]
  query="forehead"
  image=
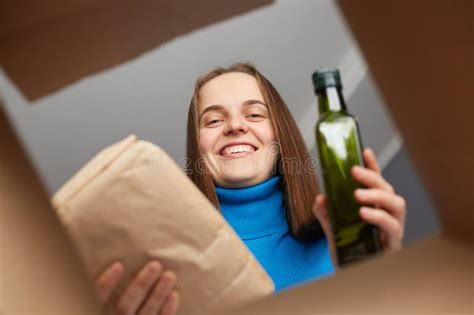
[{"x": 228, "y": 89}]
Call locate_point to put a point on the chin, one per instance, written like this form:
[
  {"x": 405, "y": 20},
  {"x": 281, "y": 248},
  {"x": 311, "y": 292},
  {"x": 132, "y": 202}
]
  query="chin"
[
  {"x": 241, "y": 180},
  {"x": 242, "y": 172}
]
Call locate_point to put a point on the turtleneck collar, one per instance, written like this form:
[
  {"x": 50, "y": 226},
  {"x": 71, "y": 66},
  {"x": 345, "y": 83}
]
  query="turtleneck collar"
[{"x": 254, "y": 211}]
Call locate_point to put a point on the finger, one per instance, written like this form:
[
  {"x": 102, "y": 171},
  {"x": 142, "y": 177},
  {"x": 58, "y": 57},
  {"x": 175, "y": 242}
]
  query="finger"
[
  {"x": 171, "y": 304},
  {"x": 108, "y": 281},
  {"x": 392, "y": 203},
  {"x": 138, "y": 289},
  {"x": 371, "y": 161},
  {"x": 371, "y": 179},
  {"x": 160, "y": 292},
  {"x": 386, "y": 223}
]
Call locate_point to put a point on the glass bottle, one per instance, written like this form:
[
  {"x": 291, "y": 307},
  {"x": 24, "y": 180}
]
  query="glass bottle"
[{"x": 340, "y": 148}]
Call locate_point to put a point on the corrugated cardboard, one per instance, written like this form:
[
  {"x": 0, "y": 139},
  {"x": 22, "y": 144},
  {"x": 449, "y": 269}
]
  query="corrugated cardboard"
[
  {"x": 420, "y": 53},
  {"x": 47, "y": 44},
  {"x": 39, "y": 270},
  {"x": 132, "y": 203},
  {"x": 430, "y": 277}
]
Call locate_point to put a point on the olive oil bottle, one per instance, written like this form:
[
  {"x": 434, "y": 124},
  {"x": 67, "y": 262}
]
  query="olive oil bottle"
[{"x": 340, "y": 148}]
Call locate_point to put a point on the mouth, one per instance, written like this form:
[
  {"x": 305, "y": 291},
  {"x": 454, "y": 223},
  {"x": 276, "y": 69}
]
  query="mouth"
[{"x": 237, "y": 151}]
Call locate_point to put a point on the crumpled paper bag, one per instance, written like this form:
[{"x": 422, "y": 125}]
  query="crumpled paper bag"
[{"x": 132, "y": 203}]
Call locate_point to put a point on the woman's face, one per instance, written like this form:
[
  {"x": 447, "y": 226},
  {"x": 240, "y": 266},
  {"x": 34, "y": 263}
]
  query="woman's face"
[{"x": 235, "y": 131}]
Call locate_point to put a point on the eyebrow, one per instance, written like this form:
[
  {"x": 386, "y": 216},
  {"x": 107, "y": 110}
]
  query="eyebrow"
[{"x": 217, "y": 106}]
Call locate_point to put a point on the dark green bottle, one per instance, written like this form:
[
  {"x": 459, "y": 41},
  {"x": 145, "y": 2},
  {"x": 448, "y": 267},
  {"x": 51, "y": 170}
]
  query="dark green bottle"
[{"x": 340, "y": 148}]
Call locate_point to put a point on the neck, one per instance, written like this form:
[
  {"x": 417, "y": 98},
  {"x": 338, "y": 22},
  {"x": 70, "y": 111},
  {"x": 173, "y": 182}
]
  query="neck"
[
  {"x": 254, "y": 211},
  {"x": 331, "y": 100}
]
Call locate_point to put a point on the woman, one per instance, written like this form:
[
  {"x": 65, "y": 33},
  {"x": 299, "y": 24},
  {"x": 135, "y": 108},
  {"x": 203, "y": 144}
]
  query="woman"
[{"x": 239, "y": 126}]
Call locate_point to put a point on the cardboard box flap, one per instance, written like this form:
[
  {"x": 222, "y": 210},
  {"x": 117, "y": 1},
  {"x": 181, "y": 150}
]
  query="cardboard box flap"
[
  {"x": 40, "y": 272},
  {"x": 49, "y": 44},
  {"x": 433, "y": 276},
  {"x": 421, "y": 55}
]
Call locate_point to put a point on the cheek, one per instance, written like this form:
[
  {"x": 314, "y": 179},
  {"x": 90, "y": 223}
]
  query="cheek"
[
  {"x": 267, "y": 134},
  {"x": 206, "y": 141}
]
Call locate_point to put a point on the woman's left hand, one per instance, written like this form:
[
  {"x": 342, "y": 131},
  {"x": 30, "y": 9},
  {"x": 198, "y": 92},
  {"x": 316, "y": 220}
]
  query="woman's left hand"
[{"x": 381, "y": 206}]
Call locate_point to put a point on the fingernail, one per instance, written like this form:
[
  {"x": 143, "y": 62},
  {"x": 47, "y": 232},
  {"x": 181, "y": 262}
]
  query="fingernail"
[
  {"x": 169, "y": 277},
  {"x": 360, "y": 193},
  {"x": 365, "y": 210},
  {"x": 173, "y": 296},
  {"x": 117, "y": 267},
  {"x": 154, "y": 267}
]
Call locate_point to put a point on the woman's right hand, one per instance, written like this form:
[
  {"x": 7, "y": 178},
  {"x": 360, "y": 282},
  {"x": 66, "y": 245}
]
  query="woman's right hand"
[{"x": 151, "y": 292}]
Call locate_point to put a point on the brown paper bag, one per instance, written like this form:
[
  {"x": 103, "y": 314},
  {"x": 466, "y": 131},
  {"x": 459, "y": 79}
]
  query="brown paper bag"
[{"x": 132, "y": 203}]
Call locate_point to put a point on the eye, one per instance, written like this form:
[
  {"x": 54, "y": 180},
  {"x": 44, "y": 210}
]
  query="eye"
[
  {"x": 254, "y": 116},
  {"x": 213, "y": 122}
]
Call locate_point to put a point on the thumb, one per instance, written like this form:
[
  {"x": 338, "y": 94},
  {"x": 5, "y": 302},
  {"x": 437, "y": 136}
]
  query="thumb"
[{"x": 320, "y": 210}]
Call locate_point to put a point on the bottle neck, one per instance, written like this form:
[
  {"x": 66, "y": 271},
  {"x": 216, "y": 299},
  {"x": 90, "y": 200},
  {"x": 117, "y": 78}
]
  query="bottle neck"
[{"x": 331, "y": 100}]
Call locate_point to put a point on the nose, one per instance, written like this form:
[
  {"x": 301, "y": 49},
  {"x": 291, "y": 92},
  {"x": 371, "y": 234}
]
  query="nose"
[{"x": 235, "y": 126}]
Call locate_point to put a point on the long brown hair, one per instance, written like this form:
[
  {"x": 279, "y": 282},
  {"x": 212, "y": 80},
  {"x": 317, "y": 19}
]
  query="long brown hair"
[{"x": 299, "y": 187}]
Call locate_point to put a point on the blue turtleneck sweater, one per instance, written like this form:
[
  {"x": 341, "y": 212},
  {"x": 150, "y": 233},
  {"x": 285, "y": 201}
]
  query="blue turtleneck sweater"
[{"x": 258, "y": 216}]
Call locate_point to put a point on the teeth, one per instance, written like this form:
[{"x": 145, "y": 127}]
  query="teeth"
[{"x": 238, "y": 149}]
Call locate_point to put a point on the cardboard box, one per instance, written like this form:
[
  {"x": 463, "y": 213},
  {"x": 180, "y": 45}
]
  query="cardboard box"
[{"x": 420, "y": 53}]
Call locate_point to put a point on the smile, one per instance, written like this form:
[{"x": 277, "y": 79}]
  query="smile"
[{"x": 237, "y": 151}]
